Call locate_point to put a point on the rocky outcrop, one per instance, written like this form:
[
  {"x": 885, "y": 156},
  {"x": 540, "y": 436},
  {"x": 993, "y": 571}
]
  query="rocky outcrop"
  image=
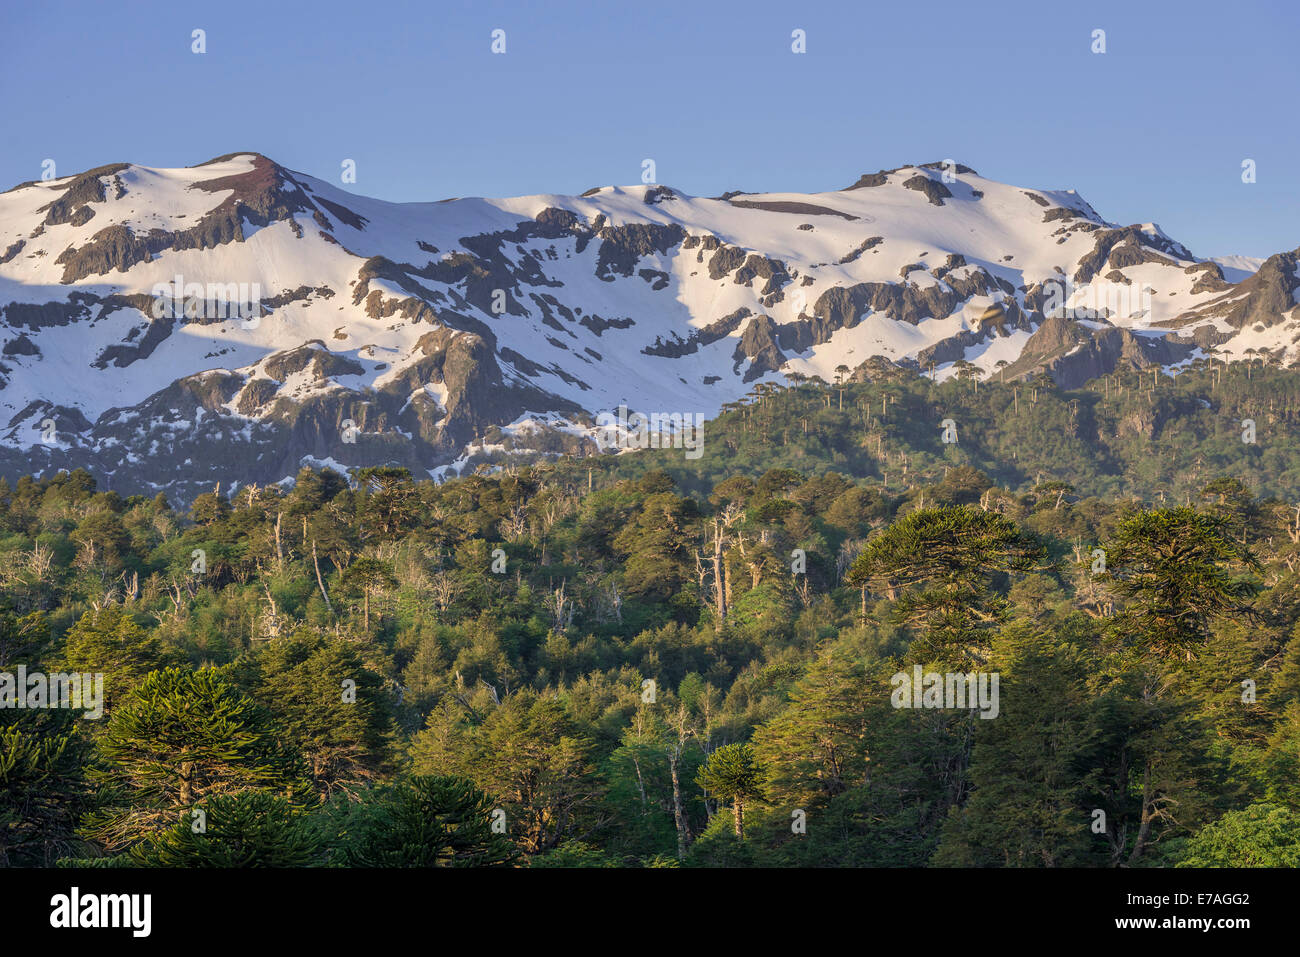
[
  {"x": 1128, "y": 246},
  {"x": 1267, "y": 295},
  {"x": 718, "y": 329},
  {"x": 933, "y": 190},
  {"x": 1073, "y": 353},
  {"x": 758, "y": 344},
  {"x": 80, "y": 193}
]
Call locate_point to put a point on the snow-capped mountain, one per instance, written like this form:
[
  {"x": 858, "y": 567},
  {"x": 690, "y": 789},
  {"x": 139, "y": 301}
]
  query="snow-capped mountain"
[{"x": 171, "y": 328}]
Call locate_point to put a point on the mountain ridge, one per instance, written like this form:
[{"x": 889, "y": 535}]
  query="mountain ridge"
[{"x": 408, "y": 333}]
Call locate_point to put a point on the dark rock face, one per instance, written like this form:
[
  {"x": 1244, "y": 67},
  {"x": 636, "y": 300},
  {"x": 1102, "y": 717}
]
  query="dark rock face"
[
  {"x": 774, "y": 273},
  {"x": 954, "y": 261},
  {"x": 1210, "y": 279},
  {"x": 869, "y": 180},
  {"x": 1072, "y": 354},
  {"x": 727, "y": 259},
  {"x": 598, "y": 325},
  {"x": 657, "y": 278},
  {"x": 993, "y": 322},
  {"x": 323, "y": 363},
  {"x": 341, "y": 213},
  {"x": 758, "y": 344},
  {"x": 842, "y": 306},
  {"x": 256, "y": 395},
  {"x": 21, "y": 346},
  {"x": 37, "y": 316},
  {"x": 1263, "y": 298},
  {"x": 80, "y": 193},
  {"x": 621, "y": 247},
  {"x": 12, "y": 252},
  {"x": 933, "y": 190},
  {"x": 958, "y": 168},
  {"x": 123, "y": 355},
  {"x": 68, "y": 422},
  {"x": 301, "y": 294},
  {"x": 718, "y": 329},
  {"x": 115, "y": 247},
  {"x": 1269, "y": 293},
  {"x": 1128, "y": 246},
  {"x": 806, "y": 209},
  {"x": 478, "y": 396},
  {"x": 870, "y": 243}
]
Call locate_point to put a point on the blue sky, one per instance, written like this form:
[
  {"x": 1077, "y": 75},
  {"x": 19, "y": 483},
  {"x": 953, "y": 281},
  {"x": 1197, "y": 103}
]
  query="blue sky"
[{"x": 1155, "y": 129}]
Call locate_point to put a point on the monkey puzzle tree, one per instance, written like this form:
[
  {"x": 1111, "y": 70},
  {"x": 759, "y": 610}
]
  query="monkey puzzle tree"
[
  {"x": 389, "y": 498},
  {"x": 177, "y": 739},
  {"x": 1176, "y": 570},
  {"x": 732, "y": 774},
  {"x": 945, "y": 569},
  {"x": 247, "y": 829}
]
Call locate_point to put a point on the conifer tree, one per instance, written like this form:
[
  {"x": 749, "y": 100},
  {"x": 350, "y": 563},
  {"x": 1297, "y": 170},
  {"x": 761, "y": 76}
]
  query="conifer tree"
[
  {"x": 941, "y": 566},
  {"x": 732, "y": 774},
  {"x": 238, "y": 829},
  {"x": 426, "y": 821},
  {"x": 176, "y": 740}
]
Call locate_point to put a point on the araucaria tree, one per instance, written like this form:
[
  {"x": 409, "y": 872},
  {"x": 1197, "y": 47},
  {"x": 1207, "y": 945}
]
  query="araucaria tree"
[
  {"x": 943, "y": 567},
  {"x": 731, "y": 774},
  {"x": 180, "y": 738}
]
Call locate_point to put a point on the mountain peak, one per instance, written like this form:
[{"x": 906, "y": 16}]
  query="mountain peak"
[{"x": 251, "y": 155}]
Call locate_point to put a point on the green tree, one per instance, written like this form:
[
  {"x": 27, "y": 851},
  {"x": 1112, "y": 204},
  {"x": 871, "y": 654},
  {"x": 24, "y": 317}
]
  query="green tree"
[
  {"x": 1261, "y": 835},
  {"x": 732, "y": 774},
  {"x": 426, "y": 821},
  {"x": 814, "y": 749},
  {"x": 943, "y": 568},
  {"x": 390, "y": 497},
  {"x": 176, "y": 740},
  {"x": 531, "y": 753},
  {"x": 244, "y": 829},
  {"x": 365, "y": 578},
  {"x": 657, "y": 546},
  {"x": 326, "y": 700},
  {"x": 1028, "y": 805},
  {"x": 1176, "y": 570},
  {"x": 108, "y": 641},
  {"x": 572, "y": 854}
]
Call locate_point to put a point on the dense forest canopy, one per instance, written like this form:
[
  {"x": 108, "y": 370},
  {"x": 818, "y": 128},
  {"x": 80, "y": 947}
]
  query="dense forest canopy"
[{"x": 640, "y": 660}]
